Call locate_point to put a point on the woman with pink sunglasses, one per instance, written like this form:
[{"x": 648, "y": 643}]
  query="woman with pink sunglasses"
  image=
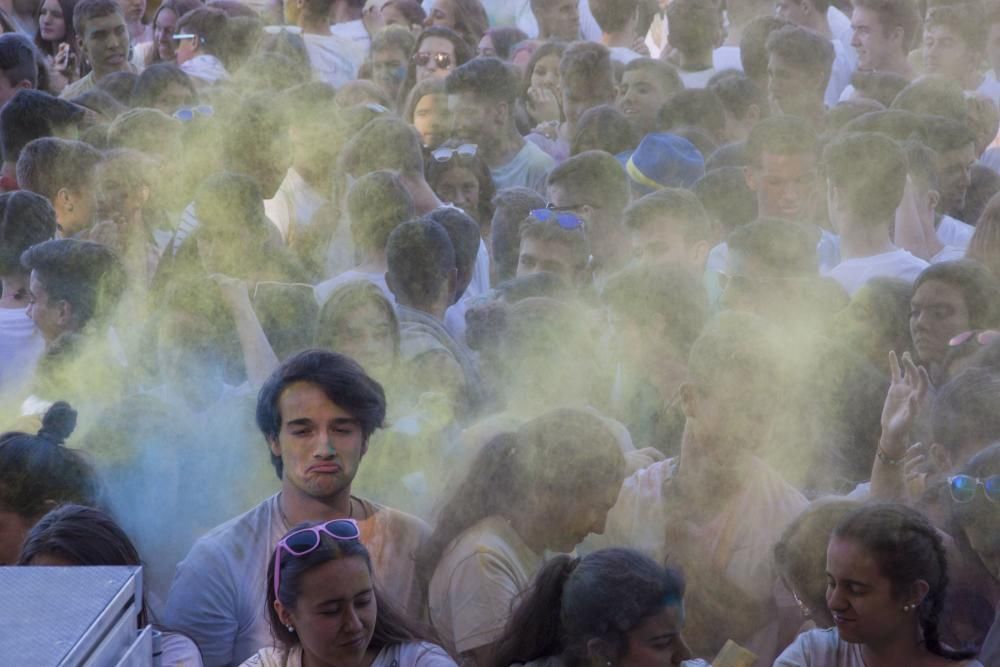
[{"x": 325, "y": 608}]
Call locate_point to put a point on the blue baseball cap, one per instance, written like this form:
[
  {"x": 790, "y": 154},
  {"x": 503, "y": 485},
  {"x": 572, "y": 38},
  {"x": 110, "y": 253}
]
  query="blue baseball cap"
[{"x": 663, "y": 160}]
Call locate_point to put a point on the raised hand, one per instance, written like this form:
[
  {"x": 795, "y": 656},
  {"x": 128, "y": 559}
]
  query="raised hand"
[
  {"x": 908, "y": 388},
  {"x": 543, "y": 104}
]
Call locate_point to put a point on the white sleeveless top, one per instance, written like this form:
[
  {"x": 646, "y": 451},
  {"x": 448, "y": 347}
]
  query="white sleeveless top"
[{"x": 824, "y": 648}]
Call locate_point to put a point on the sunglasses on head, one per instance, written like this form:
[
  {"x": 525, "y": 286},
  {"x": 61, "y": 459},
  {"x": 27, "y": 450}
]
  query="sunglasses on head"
[
  {"x": 441, "y": 60},
  {"x": 184, "y": 35},
  {"x": 563, "y": 219},
  {"x": 466, "y": 151},
  {"x": 190, "y": 113},
  {"x": 307, "y": 540},
  {"x": 963, "y": 488},
  {"x": 982, "y": 337}
]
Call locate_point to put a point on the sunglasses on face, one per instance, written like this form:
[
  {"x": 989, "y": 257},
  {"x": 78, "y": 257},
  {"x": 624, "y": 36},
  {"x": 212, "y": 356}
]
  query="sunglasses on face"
[
  {"x": 565, "y": 220},
  {"x": 307, "y": 540},
  {"x": 187, "y": 114},
  {"x": 981, "y": 337},
  {"x": 441, "y": 60},
  {"x": 185, "y": 35},
  {"x": 963, "y": 488},
  {"x": 465, "y": 151}
]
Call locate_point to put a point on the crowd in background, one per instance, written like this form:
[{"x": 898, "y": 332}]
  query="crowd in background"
[{"x": 561, "y": 333}]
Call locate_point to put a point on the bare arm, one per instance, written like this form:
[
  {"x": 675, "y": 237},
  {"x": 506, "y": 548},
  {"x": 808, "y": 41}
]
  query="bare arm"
[
  {"x": 906, "y": 392},
  {"x": 258, "y": 355}
]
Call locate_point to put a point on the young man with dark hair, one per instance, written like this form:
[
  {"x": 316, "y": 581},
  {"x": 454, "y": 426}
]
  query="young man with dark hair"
[
  {"x": 656, "y": 313},
  {"x": 29, "y": 115},
  {"x": 64, "y": 172},
  {"x": 954, "y": 148},
  {"x": 511, "y": 207},
  {"x": 377, "y": 203},
  {"x": 316, "y": 137},
  {"x": 884, "y": 31},
  {"x": 423, "y": 274},
  {"x": 73, "y": 284},
  {"x": 670, "y": 226},
  {"x": 18, "y": 68},
  {"x": 317, "y": 411},
  {"x": 798, "y": 72},
  {"x": 728, "y": 397},
  {"x": 26, "y": 219},
  {"x": 618, "y": 20},
  {"x": 743, "y": 102},
  {"x": 103, "y": 38},
  {"x": 812, "y": 15},
  {"x": 753, "y": 47},
  {"x": 783, "y": 158},
  {"x": 548, "y": 248},
  {"x": 866, "y": 174},
  {"x": 645, "y": 86},
  {"x": 481, "y": 94},
  {"x": 465, "y": 238},
  {"x": 335, "y": 59},
  {"x": 698, "y": 108},
  {"x": 593, "y": 185},
  {"x": 695, "y": 31},
  {"x": 557, "y": 19},
  {"x": 954, "y": 43}
]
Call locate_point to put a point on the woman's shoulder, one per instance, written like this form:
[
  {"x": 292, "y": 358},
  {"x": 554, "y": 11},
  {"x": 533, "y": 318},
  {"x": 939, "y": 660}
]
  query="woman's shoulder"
[
  {"x": 413, "y": 654},
  {"x": 547, "y": 661},
  {"x": 275, "y": 657}
]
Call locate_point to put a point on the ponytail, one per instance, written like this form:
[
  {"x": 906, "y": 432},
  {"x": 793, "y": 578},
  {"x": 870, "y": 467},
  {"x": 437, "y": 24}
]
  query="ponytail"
[
  {"x": 535, "y": 629},
  {"x": 930, "y": 609}
]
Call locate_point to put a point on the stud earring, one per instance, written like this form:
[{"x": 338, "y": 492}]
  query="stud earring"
[
  {"x": 907, "y": 607},
  {"x": 290, "y": 629}
]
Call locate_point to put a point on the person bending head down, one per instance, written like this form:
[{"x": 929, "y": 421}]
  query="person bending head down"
[
  {"x": 587, "y": 80},
  {"x": 422, "y": 273},
  {"x": 612, "y": 606},
  {"x": 324, "y": 606},
  {"x": 544, "y": 487}
]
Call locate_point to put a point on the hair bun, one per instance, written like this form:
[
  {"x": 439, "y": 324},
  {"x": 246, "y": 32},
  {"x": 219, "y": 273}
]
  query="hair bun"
[{"x": 58, "y": 423}]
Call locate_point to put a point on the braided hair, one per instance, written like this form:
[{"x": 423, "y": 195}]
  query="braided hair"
[{"x": 908, "y": 549}]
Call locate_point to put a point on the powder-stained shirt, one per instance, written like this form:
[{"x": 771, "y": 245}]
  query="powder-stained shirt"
[
  {"x": 824, "y": 648},
  {"x": 219, "y": 597},
  {"x": 528, "y": 169},
  {"x": 474, "y": 585}
]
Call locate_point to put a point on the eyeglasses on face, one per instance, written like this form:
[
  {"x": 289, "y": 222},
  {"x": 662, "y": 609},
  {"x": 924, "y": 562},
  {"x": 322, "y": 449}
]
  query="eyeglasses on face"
[{"x": 963, "y": 488}]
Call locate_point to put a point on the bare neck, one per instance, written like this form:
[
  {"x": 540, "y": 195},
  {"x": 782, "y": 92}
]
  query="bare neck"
[
  {"x": 864, "y": 240},
  {"x": 15, "y": 291},
  {"x": 297, "y": 507},
  {"x": 314, "y": 25}
]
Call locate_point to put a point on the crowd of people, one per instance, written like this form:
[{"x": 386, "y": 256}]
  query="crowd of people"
[{"x": 561, "y": 333}]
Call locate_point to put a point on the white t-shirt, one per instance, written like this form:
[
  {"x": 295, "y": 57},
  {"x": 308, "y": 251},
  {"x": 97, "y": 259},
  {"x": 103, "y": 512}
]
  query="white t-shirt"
[
  {"x": 20, "y": 348},
  {"x": 840, "y": 26},
  {"x": 218, "y": 597},
  {"x": 727, "y": 57},
  {"x": 824, "y": 648},
  {"x": 326, "y": 288},
  {"x": 952, "y": 231},
  {"x": 517, "y": 14},
  {"x": 478, "y": 578},
  {"x": 949, "y": 253},
  {"x": 335, "y": 59},
  {"x": 354, "y": 31},
  {"x": 697, "y": 79},
  {"x": 840, "y": 74},
  {"x": 529, "y": 169},
  {"x": 411, "y": 654},
  {"x": 623, "y": 54},
  {"x": 852, "y": 274},
  {"x": 294, "y": 204}
]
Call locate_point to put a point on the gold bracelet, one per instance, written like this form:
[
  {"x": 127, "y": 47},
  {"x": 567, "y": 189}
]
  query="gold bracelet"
[{"x": 886, "y": 460}]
